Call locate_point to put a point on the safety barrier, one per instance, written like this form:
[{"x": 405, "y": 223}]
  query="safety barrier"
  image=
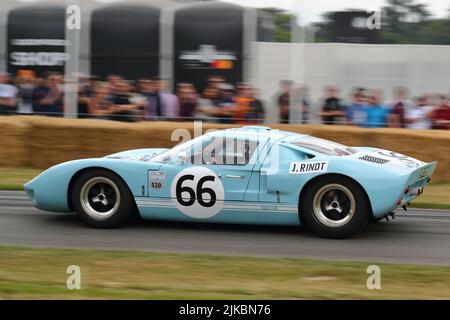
[{"x": 41, "y": 142}]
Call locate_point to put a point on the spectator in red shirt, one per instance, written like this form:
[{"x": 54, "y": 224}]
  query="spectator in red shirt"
[
  {"x": 441, "y": 114},
  {"x": 399, "y": 107},
  {"x": 188, "y": 99}
]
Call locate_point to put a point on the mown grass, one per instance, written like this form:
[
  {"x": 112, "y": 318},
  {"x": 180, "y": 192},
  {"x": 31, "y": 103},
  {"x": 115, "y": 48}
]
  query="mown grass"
[
  {"x": 436, "y": 196},
  {"x": 14, "y": 178},
  {"x": 27, "y": 273}
]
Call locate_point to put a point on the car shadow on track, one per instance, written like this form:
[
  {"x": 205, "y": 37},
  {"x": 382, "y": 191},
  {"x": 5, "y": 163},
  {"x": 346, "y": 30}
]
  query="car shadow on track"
[{"x": 71, "y": 221}]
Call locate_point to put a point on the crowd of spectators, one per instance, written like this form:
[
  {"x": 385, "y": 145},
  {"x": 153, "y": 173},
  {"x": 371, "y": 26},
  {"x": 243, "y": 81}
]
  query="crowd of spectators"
[
  {"x": 365, "y": 108},
  {"x": 116, "y": 98}
]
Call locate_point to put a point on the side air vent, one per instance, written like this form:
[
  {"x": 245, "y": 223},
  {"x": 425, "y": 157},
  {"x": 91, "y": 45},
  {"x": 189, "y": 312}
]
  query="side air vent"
[{"x": 373, "y": 159}]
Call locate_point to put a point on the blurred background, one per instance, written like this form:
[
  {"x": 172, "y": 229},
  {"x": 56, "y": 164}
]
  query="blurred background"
[
  {"x": 377, "y": 63},
  {"x": 159, "y": 65}
]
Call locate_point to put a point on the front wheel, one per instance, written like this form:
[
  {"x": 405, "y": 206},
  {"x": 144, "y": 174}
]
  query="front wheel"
[
  {"x": 101, "y": 199},
  {"x": 335, "y": 207}
]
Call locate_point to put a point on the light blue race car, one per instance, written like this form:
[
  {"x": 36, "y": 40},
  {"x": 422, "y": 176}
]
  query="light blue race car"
[{"x": 250, "y": 175}]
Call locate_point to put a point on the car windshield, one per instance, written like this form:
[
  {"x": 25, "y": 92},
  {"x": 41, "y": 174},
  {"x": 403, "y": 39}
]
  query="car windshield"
[
  {"x": 323, "y": 146},
  {"x": 181, "y": 148}
]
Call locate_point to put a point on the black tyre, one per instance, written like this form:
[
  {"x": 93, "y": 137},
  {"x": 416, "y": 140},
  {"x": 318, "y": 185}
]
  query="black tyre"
[
  {"x": 101, "y": 199},
  {"x": 335, "y": 207}
]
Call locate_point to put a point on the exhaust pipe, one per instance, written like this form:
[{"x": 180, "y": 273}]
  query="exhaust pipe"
[{"x": 417, "y": 191}]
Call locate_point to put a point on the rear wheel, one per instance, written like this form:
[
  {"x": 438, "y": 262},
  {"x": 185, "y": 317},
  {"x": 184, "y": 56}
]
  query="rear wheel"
[
  {"x": 101, "y": 199},
  {"x": 335, "y": 207}
]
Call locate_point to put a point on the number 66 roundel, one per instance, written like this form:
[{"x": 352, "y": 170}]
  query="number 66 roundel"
[{"x": 197, "y": 192}]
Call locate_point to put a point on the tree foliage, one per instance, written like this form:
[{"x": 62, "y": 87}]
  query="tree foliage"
[{"x": 403, "y": 22}]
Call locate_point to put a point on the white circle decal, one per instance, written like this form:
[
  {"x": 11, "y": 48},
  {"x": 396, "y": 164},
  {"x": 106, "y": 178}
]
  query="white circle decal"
[{"x": 197, "y": 192}]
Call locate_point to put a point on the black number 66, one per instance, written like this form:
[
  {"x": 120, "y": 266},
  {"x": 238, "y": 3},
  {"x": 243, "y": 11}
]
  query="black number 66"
[{"x": 189, "y": 201}]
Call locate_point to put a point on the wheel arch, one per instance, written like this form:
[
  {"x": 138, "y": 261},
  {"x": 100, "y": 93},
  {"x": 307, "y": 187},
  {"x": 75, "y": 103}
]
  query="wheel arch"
[
  {"x": 319, "y": 177},
  {"x": 80, "y": 172}
]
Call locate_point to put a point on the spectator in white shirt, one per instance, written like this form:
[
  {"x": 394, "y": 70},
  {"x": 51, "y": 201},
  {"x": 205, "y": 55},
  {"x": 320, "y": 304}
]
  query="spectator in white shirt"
[
  {"x": 170, "y": 104},
  {"x": 8, "y": 95},
  {"x": 419, "y": 116}
]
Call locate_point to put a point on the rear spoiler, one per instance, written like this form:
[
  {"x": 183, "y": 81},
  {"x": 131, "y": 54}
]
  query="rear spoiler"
[
  {"x": 416, "y": 182},
  {"x": 423, "y": 172}
]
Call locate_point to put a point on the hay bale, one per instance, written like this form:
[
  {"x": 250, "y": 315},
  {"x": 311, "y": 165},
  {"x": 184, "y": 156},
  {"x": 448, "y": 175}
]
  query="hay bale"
[
  {"x": 14, "y": 142},
  {"x": 41, "y": 142}
]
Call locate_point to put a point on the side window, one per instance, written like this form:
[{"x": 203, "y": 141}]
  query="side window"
[{"x": 229, "y": 151}]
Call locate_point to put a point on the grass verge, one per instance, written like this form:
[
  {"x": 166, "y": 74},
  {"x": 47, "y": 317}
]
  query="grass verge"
[
  {"x": 41, "y": 273},
  {"x": 436, "y": 196},
  {"x": 14, "y": 178}
]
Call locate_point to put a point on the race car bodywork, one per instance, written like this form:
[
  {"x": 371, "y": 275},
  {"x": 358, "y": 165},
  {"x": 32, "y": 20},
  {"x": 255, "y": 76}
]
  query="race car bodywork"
[{"x": 252, "y": 175}]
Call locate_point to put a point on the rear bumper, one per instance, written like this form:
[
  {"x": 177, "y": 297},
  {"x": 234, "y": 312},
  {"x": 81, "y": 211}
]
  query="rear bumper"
[{"x": 388, "y": 193}]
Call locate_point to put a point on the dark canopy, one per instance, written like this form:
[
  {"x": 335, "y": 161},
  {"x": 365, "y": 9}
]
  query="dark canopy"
[
  {"x": 125, "y": 41},
  {"x": 208, "y": 40},
  {"x": 35, "y": 38}
]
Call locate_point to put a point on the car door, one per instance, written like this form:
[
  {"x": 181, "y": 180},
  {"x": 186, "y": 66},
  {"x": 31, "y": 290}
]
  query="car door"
[{"x": 200, "y": 180}]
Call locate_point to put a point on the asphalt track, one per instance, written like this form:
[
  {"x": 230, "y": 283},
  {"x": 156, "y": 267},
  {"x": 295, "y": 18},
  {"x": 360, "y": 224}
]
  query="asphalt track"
[{"x": 417, "y": 236}]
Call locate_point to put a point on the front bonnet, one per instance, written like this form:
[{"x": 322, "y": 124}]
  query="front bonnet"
[{"x": 137, "y": 154}]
